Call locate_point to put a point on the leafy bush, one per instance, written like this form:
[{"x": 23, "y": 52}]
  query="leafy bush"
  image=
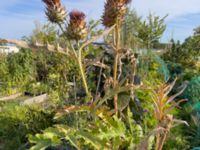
[
  {"x": 153, "y": 66},
  {"x": 17, "y": 121},
  {"x": 20, "y": 66},
  {"x": 105, "y": 133},
  {"x": 16, "y": 71},
  {"x": 35, "y": 89},
  {"x": 190, "y": 73},
  {"x": 55, "y": 71},
  {"x": 190, "y": 113},
  {"x": 175, "y": 69}
]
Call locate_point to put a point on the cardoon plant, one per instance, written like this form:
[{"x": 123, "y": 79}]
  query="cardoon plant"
[
  {"x": 114, "y": 12},
  {"x": 76, "y": 29}
]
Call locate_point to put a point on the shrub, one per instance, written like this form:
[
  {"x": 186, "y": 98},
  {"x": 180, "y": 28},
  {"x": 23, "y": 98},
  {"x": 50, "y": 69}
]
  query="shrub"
[{"x": 17, "y": 121}]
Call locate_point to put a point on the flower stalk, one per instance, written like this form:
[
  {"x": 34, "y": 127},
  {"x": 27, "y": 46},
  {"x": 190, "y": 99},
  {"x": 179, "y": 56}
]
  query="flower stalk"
[
  {"x": 116, "y": 62},
  {"x": 114, "y": 13},
  {"x": 76, "y": 30},
  {"x": 82, "y": 72}
]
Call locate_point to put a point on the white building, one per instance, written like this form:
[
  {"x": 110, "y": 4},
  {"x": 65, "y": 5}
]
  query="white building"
[{"x": 9, "y": 49}]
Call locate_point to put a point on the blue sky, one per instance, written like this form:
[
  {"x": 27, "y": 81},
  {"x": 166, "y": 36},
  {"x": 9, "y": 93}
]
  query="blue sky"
[{"x": 17, "y": 16}]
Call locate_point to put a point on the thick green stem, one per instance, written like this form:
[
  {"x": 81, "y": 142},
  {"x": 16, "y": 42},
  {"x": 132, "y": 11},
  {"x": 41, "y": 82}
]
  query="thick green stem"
[
  {"x": 79, "y": 59},
  {"x": 82, "y": 72}
]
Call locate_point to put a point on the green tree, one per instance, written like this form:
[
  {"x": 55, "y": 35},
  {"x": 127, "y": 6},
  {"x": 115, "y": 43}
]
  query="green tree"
[
  {"x": 187, "y": 53},
  {"x": 142, "y": 33},
  {"x": 151, "y": 30},
  {"x": 192, "y": 43}
]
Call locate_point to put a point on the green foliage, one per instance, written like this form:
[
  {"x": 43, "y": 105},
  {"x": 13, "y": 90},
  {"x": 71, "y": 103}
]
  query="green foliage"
[
  {"x": 189, "y": 136},
  {"x": 187, "y": 53},
  {"x": 36, "y": 73},
  {"x": 36, "y": 89},
  {"x": 148, "y": 121},
  {"x": 191, "y": 72},
  {"x": 176, "y": 53},
  {"x": 177, "y": 140},
  {"x": 150, "y": 31},
  {"x": 190, "y": 113},
  {"x": 143, "y": 34},
  {"x": 43, "y": 34},
  {"x": 151, "y": 66},
  {"x": 18, "y": 121},
  {"x": 3, "y": 67},
  {"x": 55, "y": 71},
  {"x": 192, "y": 43},
  {"x": 176, "y": 70},
  {"x": 105, "y": 133},
  {"x": 55, "y": 98},
  {"x": 16, "y": 71},
  {"x": 20, "y": 66},
  {"x": 94, "y": 28}
]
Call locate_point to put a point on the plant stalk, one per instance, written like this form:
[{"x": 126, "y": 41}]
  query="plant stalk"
[
  {"x": 82, "y": 72},
  {"x": 79, "y": 59},
  {"x": 117, "y": 48}
]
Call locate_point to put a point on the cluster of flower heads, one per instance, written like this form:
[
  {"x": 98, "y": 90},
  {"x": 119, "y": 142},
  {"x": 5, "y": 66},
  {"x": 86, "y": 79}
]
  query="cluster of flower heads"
[
  {"x": 114, "y": 11},
  {"x": 56, "y": 13},
  {"x": 77, "y": 28}
]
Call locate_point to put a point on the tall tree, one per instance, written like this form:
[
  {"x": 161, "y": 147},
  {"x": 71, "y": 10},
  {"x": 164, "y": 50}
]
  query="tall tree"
[
  {"x": 192, "y": 43},
  {"x": 142, "y": 33},
  {"x": 151, "y": 30}
]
